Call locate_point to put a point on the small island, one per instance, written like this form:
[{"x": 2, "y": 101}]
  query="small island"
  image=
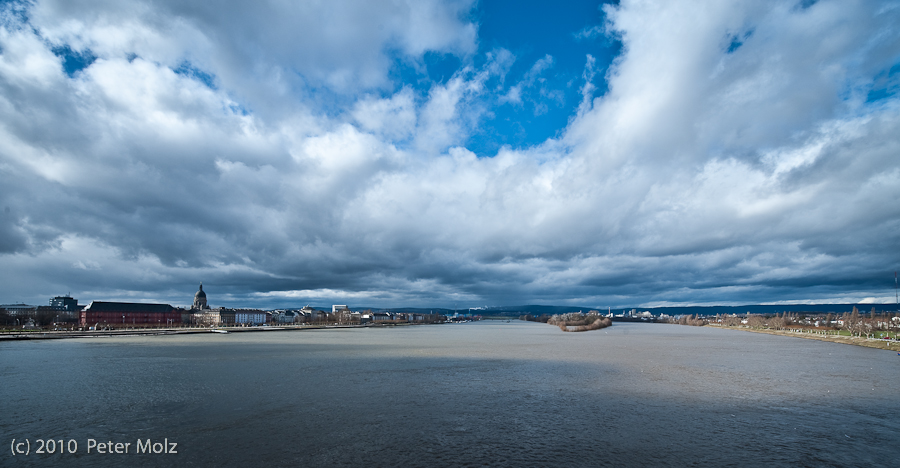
[{"x": 573, "y": 321}]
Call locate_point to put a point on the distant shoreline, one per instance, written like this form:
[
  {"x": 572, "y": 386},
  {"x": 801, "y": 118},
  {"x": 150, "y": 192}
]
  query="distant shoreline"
[{"x": 889, "y": 345}]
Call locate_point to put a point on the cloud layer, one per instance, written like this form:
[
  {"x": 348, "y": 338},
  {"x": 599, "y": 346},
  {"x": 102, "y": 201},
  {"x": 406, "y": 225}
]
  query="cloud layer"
[{"x": 747, "y": 152}]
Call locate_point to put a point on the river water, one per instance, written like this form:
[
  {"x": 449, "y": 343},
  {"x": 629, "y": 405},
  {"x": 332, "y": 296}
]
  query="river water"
[{"x": 479, "y": 394}]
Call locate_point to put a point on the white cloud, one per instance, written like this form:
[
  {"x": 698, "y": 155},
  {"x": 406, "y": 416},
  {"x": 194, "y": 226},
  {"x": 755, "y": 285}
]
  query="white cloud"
[
  {"x": 703, "y": 175},
  {"x": 590, "y": 32},
  {"x": 515, "y": 92},
  {"x": 271, "y": 56},
  {"x": 395, "y": 117},
  {"x": 451, "y": 110}
]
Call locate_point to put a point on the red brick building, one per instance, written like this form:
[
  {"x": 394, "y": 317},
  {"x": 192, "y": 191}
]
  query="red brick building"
[{"x": 129, "y": 314}]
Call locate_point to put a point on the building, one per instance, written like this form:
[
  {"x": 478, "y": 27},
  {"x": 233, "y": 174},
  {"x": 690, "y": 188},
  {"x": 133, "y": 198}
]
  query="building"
[
  {"x": 284, "y": 316},
  {"x": 19, "y": 310},
  {"x": 226, "y": 317},
  {"x": 206, "y": 317},
  {"x": 129, "y": 314},
  {"x": 289, "y": 317},
  {"x": 62, "y": 308},
  {"x": 200, "y": 299},
  {"x": 67, "y": 303},
  {"x": 249, "y": 317},
  {"x": 202, "y": 314},
  {"x": 241, "y": 317},
  {"x": 313, "y": 315}
]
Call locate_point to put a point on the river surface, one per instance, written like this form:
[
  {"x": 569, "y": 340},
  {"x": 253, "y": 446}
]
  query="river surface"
[{"x": 479, "y": 394}]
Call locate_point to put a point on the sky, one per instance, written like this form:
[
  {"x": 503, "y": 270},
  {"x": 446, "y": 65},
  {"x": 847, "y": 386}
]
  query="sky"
[{"x": 416, "y": 153}]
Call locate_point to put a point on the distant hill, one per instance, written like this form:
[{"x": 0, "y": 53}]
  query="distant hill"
[
  {"x": 515, "y": 311},
  {"x": 710, "y": 310},
  {"x": 533, "y": 310},
  {"x": 772, "y": 309}
]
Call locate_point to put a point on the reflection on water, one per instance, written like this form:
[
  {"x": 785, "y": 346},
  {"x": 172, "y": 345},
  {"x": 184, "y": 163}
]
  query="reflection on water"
[{"x": 490, "y": 393}]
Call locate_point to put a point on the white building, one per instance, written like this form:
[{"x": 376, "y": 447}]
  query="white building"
[{"x": 249, "y": 317}]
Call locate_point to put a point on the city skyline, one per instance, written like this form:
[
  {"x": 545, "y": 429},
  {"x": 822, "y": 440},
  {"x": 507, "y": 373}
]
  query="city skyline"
[{"x": 393, "y": 153}]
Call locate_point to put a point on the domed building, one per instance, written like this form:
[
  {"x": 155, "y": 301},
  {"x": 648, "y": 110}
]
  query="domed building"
[
  {"x": 201, "y": 313},
  {"x": 200, "y": 299}
]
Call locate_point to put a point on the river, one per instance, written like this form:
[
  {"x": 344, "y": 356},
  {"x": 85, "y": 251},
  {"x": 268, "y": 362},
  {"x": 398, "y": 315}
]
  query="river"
[{"x": 491, "y": 393}]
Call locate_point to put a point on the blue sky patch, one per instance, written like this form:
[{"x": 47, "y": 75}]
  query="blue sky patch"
[
  {"x": 238, "y": 109},
  {"x": 190, "y": 71},
  {"x": 885, "y": 85},
  {"x": 531, "y": 31},
  {"x": 73, "y": 61},
  {"x": 735, "y": 44},
  {"x": 17, "y": 11},
  {"x": 736, "y": 41}
]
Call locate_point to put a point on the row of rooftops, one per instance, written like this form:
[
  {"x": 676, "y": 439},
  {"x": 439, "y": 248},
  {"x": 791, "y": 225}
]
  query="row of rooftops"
[{"x": 70, "y": 304}]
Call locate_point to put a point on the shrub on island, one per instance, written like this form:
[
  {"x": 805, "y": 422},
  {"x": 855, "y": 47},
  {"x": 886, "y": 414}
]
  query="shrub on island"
[{"x": 580, "y": 322}]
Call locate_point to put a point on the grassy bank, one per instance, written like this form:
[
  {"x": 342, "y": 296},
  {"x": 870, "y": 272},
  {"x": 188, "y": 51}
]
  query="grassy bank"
[{"x": 832, "y": 337}]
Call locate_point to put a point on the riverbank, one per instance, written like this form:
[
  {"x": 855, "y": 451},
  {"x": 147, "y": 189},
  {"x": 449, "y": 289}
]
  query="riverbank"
[
  {"x": 890, "y": 345},
  {"x": 54, "y": 335}
]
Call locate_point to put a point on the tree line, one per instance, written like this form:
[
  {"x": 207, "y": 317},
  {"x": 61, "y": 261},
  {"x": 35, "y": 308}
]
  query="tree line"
[{"x": 856, "y": 322}]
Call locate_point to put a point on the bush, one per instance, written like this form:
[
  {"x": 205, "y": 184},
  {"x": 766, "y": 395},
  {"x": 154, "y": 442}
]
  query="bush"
[{"x": 581, "y": 322}]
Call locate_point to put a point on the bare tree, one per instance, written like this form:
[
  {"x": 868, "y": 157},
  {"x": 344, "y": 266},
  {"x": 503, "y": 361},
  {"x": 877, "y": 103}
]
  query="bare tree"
[
  {"x": 580, "y": 322},
  {"x": 855, "y": 321},
  {"x": 755, "y": 321}
]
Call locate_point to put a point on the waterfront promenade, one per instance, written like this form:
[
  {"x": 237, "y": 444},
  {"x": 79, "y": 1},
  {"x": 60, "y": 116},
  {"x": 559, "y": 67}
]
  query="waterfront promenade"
[{"x": 120, "y": 332}]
